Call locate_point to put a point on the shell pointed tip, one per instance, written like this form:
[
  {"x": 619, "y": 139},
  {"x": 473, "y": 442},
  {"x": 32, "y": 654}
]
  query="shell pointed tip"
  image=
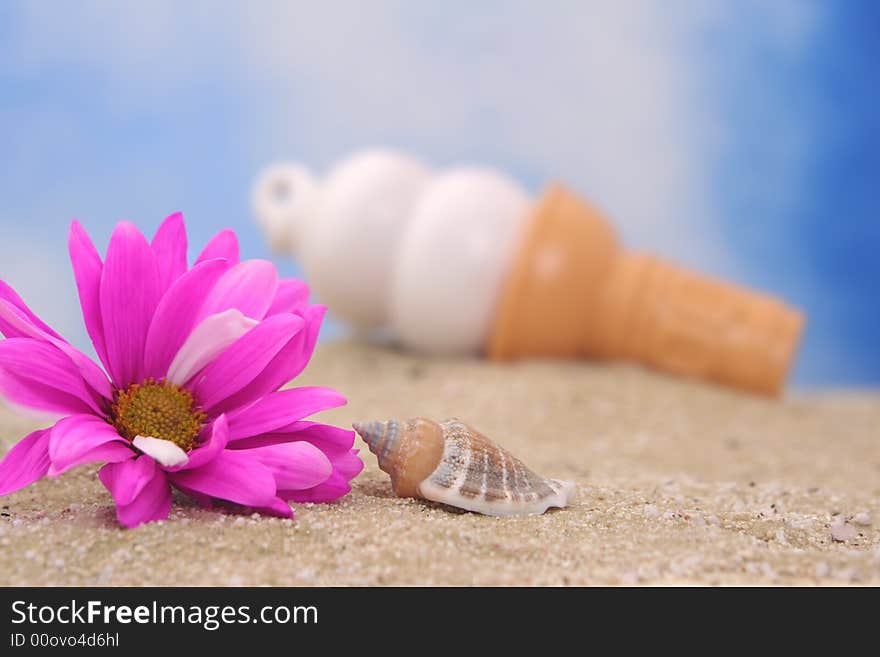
[{"x": 368, "y": 431}]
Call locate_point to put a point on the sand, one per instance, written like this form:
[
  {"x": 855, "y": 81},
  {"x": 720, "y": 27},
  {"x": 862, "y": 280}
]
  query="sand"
[{"x": 680, "y": 483}]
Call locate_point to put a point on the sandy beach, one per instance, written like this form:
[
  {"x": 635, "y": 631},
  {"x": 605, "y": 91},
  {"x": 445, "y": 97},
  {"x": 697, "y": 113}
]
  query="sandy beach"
[{"x": 679, "y": 483}]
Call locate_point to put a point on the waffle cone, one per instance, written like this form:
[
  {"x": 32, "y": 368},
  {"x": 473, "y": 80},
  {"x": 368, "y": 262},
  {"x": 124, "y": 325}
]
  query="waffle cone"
[{"x": 573, "y": 292}]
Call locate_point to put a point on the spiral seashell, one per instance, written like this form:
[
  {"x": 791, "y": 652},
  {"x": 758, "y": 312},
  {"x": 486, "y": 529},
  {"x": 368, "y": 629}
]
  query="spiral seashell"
[{"x": 453, "y": 463}]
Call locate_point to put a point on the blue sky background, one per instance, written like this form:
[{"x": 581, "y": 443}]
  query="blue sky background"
[{"x": 740, "y": 138}]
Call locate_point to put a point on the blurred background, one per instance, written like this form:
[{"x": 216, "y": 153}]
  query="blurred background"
[{"x": 739, "y": 138}]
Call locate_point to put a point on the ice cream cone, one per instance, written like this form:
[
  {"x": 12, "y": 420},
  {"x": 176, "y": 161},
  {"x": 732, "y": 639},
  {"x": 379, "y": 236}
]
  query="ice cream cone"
[{"x": 573, "y": 292}]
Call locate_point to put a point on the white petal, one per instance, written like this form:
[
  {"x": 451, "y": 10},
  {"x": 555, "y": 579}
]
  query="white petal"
[
  {"x": 162, "y": 451},
  {"x": 206, "y": 342}
]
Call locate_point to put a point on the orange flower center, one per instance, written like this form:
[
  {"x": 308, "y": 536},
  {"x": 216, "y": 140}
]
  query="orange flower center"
[{"x": 158, "y": 409}]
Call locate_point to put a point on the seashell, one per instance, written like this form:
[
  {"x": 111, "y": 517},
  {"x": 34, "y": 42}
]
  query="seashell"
[
  {"x": 466, "y": 261},
  {"x": 453, "y": 463}
]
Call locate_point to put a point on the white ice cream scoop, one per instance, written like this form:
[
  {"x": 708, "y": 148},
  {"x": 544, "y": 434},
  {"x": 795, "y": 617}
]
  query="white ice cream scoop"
[{"x": 385, "y": 242}]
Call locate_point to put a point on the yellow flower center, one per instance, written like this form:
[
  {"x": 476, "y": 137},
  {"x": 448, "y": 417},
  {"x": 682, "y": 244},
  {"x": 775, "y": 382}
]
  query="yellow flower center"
[{"x": 158, "y": 409}]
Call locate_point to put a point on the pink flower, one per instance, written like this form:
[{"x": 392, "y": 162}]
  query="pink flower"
[{"x": 196, "y": 358}]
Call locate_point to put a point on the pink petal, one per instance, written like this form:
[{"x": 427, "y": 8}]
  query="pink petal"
[
  {"x": 169, "y": 247},
  {"x": 36, "y": 374},
  {"x": 347, "y": 463},
  {"x": 82, "y": 439},
  {"x": 11, "y": 296},
  {"x": 176, "y": 315},
  {"x": 125, "y": 480},
  {"x": 346, "y": 466},
  {"x": 24, "y": 393},
  {"x": 207, "y": 341},
  {"x": 223, "y": 245},
  {"x": 26, "y": 462},
  {"x": 323, "y": 436},
  {"x": 292, "y": 296},
  {"x": 151, "y": 505},
  {"x": 277, "y": 507},
  {"x": 233, "y": 476},
  {"x": 211, "y": 448},
  {"x": 284, "y": 367},
  {"x": 295, "y": 466},
  {"x": 335, "y": 487},
  {"x": 107, "y": 453},
  {"x": 280, "y": 409},
  {"x": 129, "y": 295},
  {"x": 244, "y": 360},
  {"x": 17, "y": 324},
  {"x": 87, "y": 269},
  {"x": 140, "y": 490},
  {"x": 14, "y": 323},
  {"x": 249, "y": 286},
  {"x": 306, "y": 341}
]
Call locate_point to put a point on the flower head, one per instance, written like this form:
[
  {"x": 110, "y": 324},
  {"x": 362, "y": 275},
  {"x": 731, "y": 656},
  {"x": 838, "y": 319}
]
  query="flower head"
[{"x": 195, "y": 359}]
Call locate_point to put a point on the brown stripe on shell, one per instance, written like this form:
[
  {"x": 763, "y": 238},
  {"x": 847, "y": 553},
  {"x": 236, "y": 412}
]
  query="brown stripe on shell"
[
  {"x": 452, "y": 463},
  {"x": 513, "y": 486},
  {"x": 479, "y": 448},
  {"x": 486, "y": 468},
  {"x": 494, "y": 488}
]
